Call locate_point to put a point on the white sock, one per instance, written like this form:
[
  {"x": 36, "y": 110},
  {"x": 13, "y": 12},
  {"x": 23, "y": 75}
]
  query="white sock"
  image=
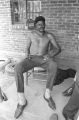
[
  {"x": 47, "y": 93},
  {"x": 21, "y": 98},
  {"x": 75, "y": 78}
]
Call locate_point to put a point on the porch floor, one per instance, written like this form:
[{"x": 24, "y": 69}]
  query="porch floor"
[{"x": 37, "y": 108}]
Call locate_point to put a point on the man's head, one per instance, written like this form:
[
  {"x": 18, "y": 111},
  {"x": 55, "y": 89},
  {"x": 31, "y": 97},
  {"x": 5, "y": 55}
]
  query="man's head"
[{"x": 39, "y": 23}]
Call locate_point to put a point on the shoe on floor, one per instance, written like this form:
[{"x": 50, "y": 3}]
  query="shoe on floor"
[
  {"x": 68, "y": 92},
  {"x": 54, "y": 116},
  {"x": 19, "y": 110},
  {"x": 51, "y": 103}
]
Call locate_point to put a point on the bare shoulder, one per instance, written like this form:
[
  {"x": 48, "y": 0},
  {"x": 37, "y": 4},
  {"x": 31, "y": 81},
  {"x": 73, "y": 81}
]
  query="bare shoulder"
[
  {"x": 50, "y": 35},
  {"x": 30, "y": 34}
]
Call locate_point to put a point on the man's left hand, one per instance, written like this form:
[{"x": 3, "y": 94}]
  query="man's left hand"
[{"x": 45, "y": 57}]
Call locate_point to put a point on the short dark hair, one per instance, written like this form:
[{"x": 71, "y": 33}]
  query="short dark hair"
[{"x": 39, "y": 18}]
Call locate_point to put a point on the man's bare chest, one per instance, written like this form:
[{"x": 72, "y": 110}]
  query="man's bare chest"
[{"x": 41, "y": 41}]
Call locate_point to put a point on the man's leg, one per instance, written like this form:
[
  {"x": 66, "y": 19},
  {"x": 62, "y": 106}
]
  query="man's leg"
[
  {"x": 51, "y": 67},
  {"x": 20, "y": 68},
  {"x": 52, "y": 71},
  {"x": 72, "y": 106}
]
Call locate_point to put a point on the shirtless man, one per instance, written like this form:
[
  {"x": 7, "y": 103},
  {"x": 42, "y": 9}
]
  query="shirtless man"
[{"x": 37, "y": 54}]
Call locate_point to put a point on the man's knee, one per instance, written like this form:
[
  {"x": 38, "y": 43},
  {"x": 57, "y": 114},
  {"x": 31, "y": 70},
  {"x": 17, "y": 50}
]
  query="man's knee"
[
  {"x": 52, "y": 65},
  {"x": 18, "y": 67}
]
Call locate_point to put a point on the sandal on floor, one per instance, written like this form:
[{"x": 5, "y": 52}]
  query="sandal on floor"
[{"x": 69, "y": 91}]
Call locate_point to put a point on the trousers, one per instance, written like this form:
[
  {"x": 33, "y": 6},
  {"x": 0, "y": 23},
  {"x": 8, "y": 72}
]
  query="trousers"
[
  {"x": 35, "y": 61},
  {"x": 72, "y": 106}
]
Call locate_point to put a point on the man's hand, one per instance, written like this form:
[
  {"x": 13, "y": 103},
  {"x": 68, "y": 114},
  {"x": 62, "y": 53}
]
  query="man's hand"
[
  {"x": 46, "y": 57},
  {"x": 22, "y": 58}
]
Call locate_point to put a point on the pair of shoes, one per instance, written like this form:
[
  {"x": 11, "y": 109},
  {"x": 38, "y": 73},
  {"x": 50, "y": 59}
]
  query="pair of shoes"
[
  {"x": 19, "y": 110},
  {"x": 51, "y": 103},
  {"x": 54, "y": 117}
]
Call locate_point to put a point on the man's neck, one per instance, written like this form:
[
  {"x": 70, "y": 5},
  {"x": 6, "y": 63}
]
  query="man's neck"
[{"x": 39, "y": 32}]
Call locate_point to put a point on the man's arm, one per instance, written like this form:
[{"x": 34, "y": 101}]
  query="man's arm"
[
  {"x": 55, "y": 47},
  {"x": 27, "y": 50}
]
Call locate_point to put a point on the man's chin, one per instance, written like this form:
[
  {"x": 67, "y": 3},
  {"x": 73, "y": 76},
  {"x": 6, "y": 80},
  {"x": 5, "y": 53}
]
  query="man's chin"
[{"x": 41, "y": 31}]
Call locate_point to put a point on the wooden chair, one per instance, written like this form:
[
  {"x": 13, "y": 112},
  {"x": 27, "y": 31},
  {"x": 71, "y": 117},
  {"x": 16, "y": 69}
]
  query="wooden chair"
[{"x": 37, "y": 73}]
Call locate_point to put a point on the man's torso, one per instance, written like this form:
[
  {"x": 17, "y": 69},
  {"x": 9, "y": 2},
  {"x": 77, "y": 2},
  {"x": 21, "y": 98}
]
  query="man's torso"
[{"x": 39, "y": 43}]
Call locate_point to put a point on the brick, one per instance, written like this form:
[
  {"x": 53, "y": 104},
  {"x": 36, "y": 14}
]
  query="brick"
[
  {"x": 72, "y": 1},
  {"x": 77, "y": 4},
  {"x": 66, "y": 4},
  {"x": 62, "y": 1}
]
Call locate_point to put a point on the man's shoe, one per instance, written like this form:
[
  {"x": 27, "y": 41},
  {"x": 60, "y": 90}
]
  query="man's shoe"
[
  {"x": 69, "y": 91},
  {"x": 51, "y": 103},
  {"x": 54, "y": 117},
  {"x": 19, "y": 110}
]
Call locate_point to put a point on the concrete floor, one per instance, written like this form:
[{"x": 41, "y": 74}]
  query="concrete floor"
[{"x": 37, "y": 108}]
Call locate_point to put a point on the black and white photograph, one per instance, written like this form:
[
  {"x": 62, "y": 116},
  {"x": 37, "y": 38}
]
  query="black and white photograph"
[{"x": 39, "y": 59}]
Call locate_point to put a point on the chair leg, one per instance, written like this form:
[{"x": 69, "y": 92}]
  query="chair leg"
[
  {"x": 26, "y": 78},
  {"x": 28, "y": 75}
]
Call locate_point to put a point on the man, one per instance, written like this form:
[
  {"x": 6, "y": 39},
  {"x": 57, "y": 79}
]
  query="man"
[
  {"x": 72, "y": 106},
  {"x": 37, "y": 54}
]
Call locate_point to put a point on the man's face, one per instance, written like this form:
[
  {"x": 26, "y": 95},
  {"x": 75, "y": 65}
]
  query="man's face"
[{"x": 40, "y": 26}]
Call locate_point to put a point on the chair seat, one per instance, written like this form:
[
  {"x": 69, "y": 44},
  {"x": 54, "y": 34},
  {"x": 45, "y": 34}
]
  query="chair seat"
[
  {"x": 39, "y": 73},
  {"x": 39, "y": 69}
]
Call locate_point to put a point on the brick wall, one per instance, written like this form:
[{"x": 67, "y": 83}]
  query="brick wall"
[
  {"x": 12, "y": 37},
  {"x": 5, "y": 25},
  {"x": 62, "y": 18}
]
